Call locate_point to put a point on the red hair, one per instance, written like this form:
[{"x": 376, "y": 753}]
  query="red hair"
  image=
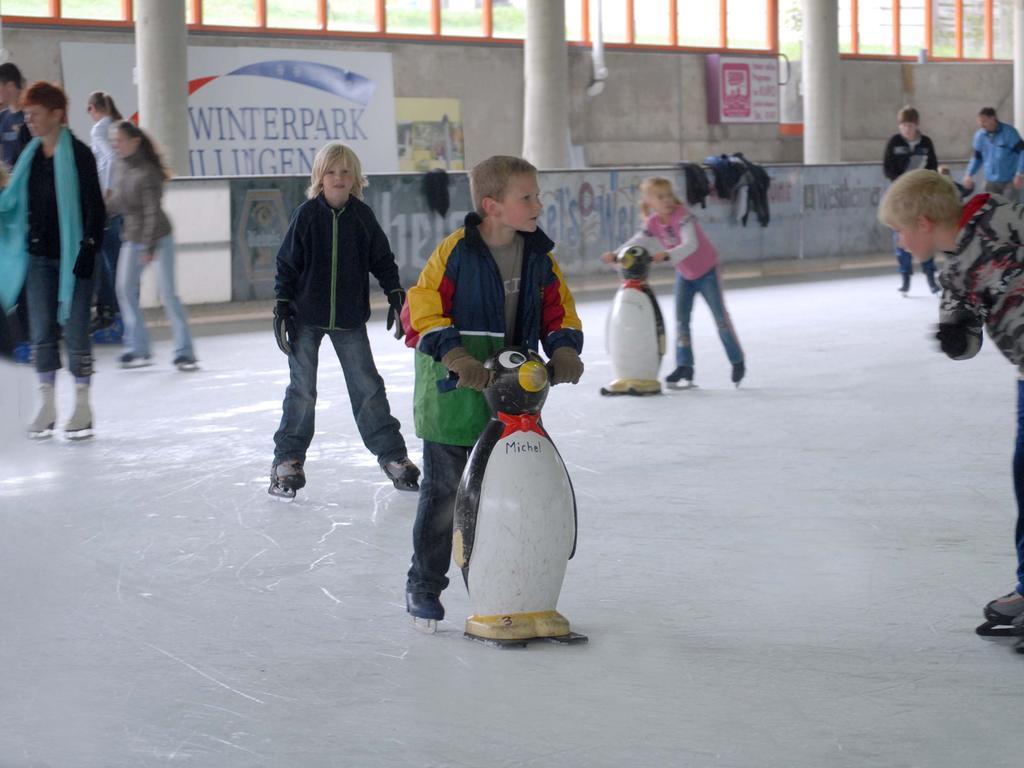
[{"x": 45, "y": 95}]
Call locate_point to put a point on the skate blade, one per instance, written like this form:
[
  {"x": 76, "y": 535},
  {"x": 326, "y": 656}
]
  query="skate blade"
[
  {"x": 187, "y": 367},
  {"x": 409, "y": 487},
  {"x": 283, "y": 498},
  {"x": 426, "y": 626},
  {"x": 79, "y": 434},
  {"x": 998, "y": 629},
  {"x": 573, "y": 638},
  {"x": 45, "y": 434},
  {"x": 681, "y": 387}
]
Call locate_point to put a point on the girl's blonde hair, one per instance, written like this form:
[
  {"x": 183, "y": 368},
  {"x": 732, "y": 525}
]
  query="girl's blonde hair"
[
  {"x": 329, "y": 156},
  {"x": 4, "y": 176},
  {"x": 651, "y": 183}
]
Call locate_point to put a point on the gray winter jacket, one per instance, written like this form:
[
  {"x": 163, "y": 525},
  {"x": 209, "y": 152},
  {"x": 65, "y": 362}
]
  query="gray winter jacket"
[
  {"x": 983, "y": 280},
  {"x": 138, "y": 188}
]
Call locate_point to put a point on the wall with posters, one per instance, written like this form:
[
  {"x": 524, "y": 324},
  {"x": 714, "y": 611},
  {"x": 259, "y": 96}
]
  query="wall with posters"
[{"x": 816, "y": 212}]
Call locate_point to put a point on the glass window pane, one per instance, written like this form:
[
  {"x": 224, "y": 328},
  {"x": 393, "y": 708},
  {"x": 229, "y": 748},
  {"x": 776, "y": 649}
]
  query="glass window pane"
[
  {"x": 974, "y": 29},
  {"x": 509, "y": 19},
  {"x": 748, "y": 23},
  {"x": 1002, "y": 29},
  {"x": 89, "y": 9},
  {"x": 229, "y": 13},
  {"x": 791, "y": 28},
  {"x": 943, "y": 28},
  {"x": 292, "y": 14},
  {"x": 875, "y": 26},
  {"x": 912, "y": 27},
  {"x": 651, "y": 18},
  {"x": 698, "y": 24},
  {"x": 845, "y": 28},
  {"x": 26, "y": 7},
  {"x": 411, "y": 16},
  {"x": 356, "y": 15},
  {"x": 462, "y": 18},
  {"x": 573, "y": 20},
  {"x": 613, "y": 20}
]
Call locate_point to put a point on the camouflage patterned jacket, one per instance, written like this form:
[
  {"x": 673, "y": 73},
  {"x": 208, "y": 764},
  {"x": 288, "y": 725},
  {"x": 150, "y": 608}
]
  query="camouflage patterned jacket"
[{"x": 983, "y": 280}]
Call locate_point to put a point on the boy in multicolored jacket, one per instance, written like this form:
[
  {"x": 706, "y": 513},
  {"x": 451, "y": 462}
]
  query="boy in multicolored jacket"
[
  {"x": 490, "y": 284},
  {"x": 983, "y": 285}
]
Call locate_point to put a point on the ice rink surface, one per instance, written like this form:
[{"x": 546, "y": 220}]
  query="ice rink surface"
[{"x": 788, "y": 574}]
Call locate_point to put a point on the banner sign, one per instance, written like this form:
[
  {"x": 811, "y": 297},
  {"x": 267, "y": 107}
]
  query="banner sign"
[
  {"x": 816, "y": 212},
  {"x": 742, "y": 89},
  {"x": 256, "y": 111}
]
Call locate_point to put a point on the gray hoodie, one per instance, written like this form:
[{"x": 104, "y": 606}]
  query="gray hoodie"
[{"x": 138, "y": 188}]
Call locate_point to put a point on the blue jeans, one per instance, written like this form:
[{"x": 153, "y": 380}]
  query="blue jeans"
[
  {"x": 378, "y": 428},
  {"x": 41, "y": 286},
  {"x": 1018, "y": 486},
  {"x": 710, "y": 287},
  {"x": 435, "y": 511},
  {"x": 906, "y": 260},
  {"x": 106, "y": 268},
  {"x": 129, "y": 273}
]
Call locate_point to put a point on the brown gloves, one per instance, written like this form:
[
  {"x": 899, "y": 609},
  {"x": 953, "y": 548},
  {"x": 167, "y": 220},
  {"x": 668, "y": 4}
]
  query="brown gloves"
[
  {"x": 566, "y": 366},
  {"x": 471, "y": 372}
]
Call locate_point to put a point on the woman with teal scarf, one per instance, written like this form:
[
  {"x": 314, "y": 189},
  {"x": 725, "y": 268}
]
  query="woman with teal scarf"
[{"x": 51, "y": 225}]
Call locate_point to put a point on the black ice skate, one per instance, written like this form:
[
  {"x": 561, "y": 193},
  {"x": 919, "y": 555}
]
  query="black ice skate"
[
  {"x": 904, "y": 288},
  {"x": 1004, "y": 617},
  {"x": 286, "y": 477},
  {"x": 426, "y": 610},
  {"x": 403, "y": 473},
  {"x": 681, "y": 378},
  {"x": 739, "y": 370}
]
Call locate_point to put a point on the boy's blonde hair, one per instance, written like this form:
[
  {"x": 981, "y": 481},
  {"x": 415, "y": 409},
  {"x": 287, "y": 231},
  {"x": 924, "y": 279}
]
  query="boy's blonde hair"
[
  {"x": 329, "y": 156},
  {"x": 651, "y": 183},
  {"x": 491, "y": 177},
  {"x": 920, "y": 193}
]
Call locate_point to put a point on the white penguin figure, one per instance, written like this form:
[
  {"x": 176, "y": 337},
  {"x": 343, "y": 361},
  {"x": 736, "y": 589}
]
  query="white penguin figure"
[
  {"x": 515, "y": 512},
  {"x": 635, "y": 329}
]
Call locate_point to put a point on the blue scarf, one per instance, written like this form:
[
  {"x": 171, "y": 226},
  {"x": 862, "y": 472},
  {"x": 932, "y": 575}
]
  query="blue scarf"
[{"x": 14, "y": 225}]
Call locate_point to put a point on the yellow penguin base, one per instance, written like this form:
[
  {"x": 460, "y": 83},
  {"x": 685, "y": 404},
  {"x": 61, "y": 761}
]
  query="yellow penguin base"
[
  {"x": 632, "y": 387},
  {"x": 518, "y": 626}
]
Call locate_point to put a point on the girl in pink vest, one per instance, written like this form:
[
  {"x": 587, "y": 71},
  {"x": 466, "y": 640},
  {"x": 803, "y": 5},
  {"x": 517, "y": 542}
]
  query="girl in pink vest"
[{"x": 669, "y": 223}]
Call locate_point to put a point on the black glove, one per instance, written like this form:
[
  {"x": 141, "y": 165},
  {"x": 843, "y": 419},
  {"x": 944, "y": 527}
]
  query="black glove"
[
  {"x": 952, "y": 338},
  {"x": 285, "y": 330},
  {"x": 85, "y": 264},
  {"x": 396, "y": 299}
]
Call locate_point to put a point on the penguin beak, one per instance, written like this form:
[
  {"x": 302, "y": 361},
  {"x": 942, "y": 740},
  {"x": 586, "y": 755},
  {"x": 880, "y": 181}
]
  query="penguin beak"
[{"x": 533, "y": 376}]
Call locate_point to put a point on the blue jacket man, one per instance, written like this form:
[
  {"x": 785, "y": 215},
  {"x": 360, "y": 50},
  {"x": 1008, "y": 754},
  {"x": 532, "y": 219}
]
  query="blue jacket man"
[{"x": 999, "y": 148}]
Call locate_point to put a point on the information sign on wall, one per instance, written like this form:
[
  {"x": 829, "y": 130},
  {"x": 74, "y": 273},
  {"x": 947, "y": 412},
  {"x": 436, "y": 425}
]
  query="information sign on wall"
[{"x": 742, "y": 89}]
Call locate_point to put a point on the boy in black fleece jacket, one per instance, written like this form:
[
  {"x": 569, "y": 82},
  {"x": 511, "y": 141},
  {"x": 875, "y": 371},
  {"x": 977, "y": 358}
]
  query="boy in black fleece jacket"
[{"x": 333, "y": 244}]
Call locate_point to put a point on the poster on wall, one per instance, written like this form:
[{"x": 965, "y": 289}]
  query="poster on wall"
[
  {"x": 742, "y": 89},
  {"x": 256, "y": 111},
  {"x": 429, "y": 134}
]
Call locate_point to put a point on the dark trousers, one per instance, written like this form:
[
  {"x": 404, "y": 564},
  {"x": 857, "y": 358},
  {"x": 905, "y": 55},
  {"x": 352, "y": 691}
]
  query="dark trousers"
[
  {"x": 42, "y": 286},
  {"x": 379, "y": 429},
  {"x": 106, "y": 265},
  {"x": 432, "y": 533},
  {"x": 1018, "y": 486}
]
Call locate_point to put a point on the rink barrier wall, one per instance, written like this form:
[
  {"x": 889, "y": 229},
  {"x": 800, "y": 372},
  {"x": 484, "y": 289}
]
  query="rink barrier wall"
[{"x": 228, "y": 230}]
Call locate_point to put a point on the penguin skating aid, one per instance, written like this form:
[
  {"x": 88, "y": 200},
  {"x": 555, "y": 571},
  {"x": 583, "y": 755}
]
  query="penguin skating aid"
[
  {"x": 515, "y": 513},
  {"x": 635, "y": 330}
]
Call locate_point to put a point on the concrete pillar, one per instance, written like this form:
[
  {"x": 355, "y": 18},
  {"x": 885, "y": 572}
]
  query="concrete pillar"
[
  {"x": 161, "y": 56},
  {"x": 820, "y": 70},
  {"x": 546, "y": 64},
  {"x": 1018, "y": 64}
]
